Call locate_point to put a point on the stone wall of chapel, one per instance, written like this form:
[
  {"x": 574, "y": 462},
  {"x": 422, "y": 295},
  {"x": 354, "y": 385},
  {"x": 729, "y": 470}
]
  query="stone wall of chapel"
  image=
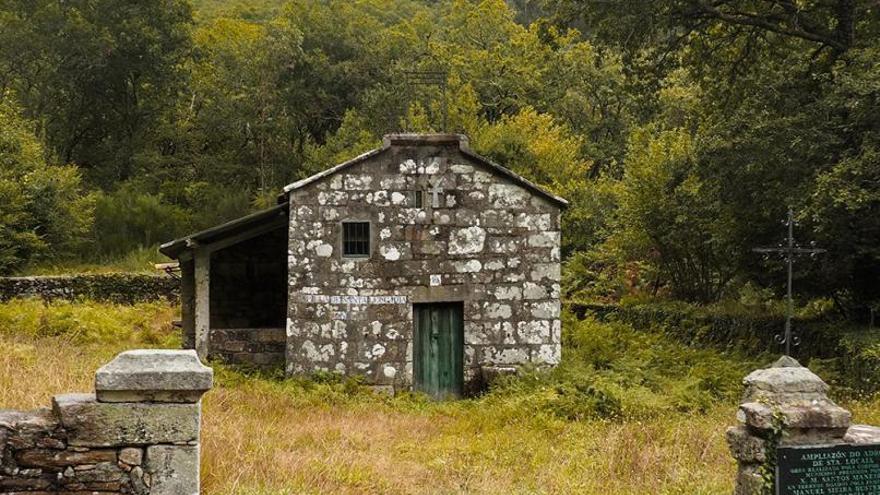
[{"x": 490, "y": 243}]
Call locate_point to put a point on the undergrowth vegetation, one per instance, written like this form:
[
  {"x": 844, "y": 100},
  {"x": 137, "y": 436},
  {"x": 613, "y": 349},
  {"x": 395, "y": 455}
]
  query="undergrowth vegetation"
[
  {"x": 612, "y": 371},
  {"x": 90, "y": 322},
  {"x": 609, "y": 371},
  {"x": 627, "y": 412}
]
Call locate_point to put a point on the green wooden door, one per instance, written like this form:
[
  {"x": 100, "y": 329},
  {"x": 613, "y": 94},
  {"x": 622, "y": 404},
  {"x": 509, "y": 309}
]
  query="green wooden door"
[{"x": 438, "y": 349}]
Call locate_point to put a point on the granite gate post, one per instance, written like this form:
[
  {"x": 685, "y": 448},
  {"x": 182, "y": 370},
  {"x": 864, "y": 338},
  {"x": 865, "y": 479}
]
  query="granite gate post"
[
  {"x": 138, "y": 433},
  {"x": 785, "y": 408}
]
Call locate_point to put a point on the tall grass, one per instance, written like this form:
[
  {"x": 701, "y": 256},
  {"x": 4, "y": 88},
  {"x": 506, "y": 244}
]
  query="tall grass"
[
  {"x": 543, "y": 433},
  {"x": 402, "y": 446},
  {"x": 55, "y": 348},
  {"x": 88, "y": 323}
]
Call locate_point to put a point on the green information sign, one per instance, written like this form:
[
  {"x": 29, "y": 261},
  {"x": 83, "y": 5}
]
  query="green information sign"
[{"x": 828, "y": 470}]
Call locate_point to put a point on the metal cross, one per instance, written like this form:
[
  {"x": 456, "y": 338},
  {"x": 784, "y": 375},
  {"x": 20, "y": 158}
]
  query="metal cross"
[
  {"x": 789, "y": 251},
  {"x": 430, "y": 78},
  {"x": 435, "y": 191}
]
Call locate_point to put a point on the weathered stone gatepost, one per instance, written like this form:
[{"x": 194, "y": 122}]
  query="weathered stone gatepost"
[
  {"x": 785, "y": 405},
  {"x": 138, "y": 433}
]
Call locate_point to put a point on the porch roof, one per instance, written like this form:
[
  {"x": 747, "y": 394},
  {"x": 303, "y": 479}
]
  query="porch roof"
[{"x": 174, "y": 248}]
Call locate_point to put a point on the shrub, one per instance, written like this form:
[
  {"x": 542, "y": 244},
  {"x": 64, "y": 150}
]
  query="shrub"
[
  {"x": 128, "y": 219},
  {"x": 859, "y": 361},
  {"x": 613, "y": 371},
  {"x": 44, "y": 209}
]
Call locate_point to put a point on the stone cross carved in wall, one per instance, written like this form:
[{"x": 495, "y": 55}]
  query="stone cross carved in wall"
[
  {"x": 788, "y": 252},
  {"x": 435, "y": 192}
]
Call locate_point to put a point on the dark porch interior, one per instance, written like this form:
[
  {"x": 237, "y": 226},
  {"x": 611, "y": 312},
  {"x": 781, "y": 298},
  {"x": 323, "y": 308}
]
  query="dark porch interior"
[{"x": 249, "y": 283}]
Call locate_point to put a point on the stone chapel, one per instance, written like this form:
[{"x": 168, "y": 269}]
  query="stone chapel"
[{"x": 419, "y": 265}]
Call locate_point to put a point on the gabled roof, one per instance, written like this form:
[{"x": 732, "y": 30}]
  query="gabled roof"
[
  {"x": 264, "y": 217},
  {"x": 430, "y": 139}
]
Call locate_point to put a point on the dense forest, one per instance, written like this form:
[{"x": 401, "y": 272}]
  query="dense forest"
[{"x": 680, "y": 130}]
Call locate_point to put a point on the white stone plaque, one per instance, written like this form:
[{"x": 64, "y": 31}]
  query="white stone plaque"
[{"x": 356, "y": 300}]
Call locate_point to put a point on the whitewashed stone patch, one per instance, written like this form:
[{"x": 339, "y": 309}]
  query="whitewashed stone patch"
[
  {"x": 508, "y": 292},
  {"x": 469, "y": 266},
  {"x": 468, "y": 240},
  {"x": 390, "y": 253},
  {"x": 508, "y": 196}
]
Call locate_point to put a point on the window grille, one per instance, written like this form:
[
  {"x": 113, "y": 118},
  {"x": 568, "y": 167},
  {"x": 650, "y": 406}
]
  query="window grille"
[{"x": 356, "y": 239}]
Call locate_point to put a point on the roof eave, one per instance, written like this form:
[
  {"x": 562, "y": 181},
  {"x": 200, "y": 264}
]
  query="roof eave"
[
  {"x": 559, "y": 200},
  {"x": 173, "y": 248},
  {"x": 332, "y": 170}
]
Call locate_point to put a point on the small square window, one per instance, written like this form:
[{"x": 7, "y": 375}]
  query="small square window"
[{"x": 356, "y": 239}]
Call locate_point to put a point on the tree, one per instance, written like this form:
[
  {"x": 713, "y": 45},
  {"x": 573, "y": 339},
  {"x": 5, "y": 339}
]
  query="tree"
[
  {"x": 95, "y": 76},
  {"x": 837, "y": 25},
  {"x": 43, "y": 209},
  {"x": 670, "y": 217},
  {"x": 238, "y": 105},
  {"x": 844, "y": 206}
]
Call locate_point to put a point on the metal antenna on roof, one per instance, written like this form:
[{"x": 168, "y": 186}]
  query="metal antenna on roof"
[{"x": 429, "y": 78}]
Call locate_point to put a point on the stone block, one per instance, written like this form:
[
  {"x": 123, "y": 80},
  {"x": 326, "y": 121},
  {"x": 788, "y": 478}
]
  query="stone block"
[
  {"x": 548, "y": 239},
  {"x": 745, "y": 447},
  {"x": 749, "y": 480},
  {"x": 153, "y": 375},
  {"x": 467, "y": 240},
  {"x": 32, "y": 429},
  {"x": 547, "y": 354},
  {"x": 103, "y": 424},
  {"x": 534, "y": 291},
  {"x": 504, "y": 355},
  {"x": 88, "y": 475},
  {"x": 784, "y": 381},
  {"x": 755, "y": 415},
  {"x": 819, "y": 415},
  {"x": 173, "y": 469},
  {"x": 138, "y": 482},
  {"x": 862, "y": 434},
  {"x": 16, "y": 484},
  {"x": 48, "y": 458},
  {"x": 534, "y": 331},
  {"x": 812, "y": 436},
  {"x": 505, "y": 196},
  {"x": 131, "y": 456},
  {"x": 814, "y": 415}
]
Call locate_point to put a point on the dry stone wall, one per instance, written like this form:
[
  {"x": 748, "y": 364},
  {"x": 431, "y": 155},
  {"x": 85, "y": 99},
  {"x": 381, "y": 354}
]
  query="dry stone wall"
[
  {"x": 259, "y": 347},
  {"x": 485, "y": 240},
  {"x": 123, "y": 288},
  {"x": 137, "y": 434}
]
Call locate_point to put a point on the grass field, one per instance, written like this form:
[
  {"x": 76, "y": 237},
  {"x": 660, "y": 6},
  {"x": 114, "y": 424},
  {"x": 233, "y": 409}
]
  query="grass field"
[{"x": 269, "y": 436}]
